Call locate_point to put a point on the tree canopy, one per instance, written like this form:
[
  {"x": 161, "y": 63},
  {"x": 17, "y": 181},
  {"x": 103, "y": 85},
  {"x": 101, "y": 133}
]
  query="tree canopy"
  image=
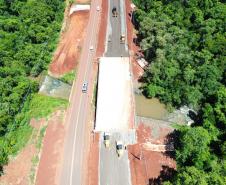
[
  {"x": 29, "y": 30},
  {"x": 185, "y": 44}
]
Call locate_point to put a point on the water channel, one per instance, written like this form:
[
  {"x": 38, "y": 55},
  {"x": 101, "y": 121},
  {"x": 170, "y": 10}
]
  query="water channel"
[{"x": 151, "y": 108}]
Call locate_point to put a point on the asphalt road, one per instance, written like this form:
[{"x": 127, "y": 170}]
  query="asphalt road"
[
  {"x": 113, "y": 170},
  {"x": 75, "y": 144},
  {"x": 114, "y": 47}
]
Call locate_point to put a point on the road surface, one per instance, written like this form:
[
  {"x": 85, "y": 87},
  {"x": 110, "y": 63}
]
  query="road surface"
[
  {"x": 114, "y": 47},
  {"x": 113, "y": 170},
  {"x": 77, "y": 117}
]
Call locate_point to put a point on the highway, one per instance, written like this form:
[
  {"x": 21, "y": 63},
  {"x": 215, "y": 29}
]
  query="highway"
[
  {"x": 114, "y": 47},
  {"x": 112, "y": 169},
  {"x": 73, "y": 172}
]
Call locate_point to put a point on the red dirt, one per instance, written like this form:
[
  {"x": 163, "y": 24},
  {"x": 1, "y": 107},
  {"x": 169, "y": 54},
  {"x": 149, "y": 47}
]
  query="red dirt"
[
  {"x": 93, "y": 160},
  {"x": 102, "y": 29},
  {"x": 145, "y": 134},
  {"x": 136, "y": 69},
  {"x": 52, "y": 151},
  {"x": 145, "y": 165},
  {"x": 132, "y": 114},
  {"x": 82, "y": 1},
  {"x": 68, "y": 51},
  {"x": 18, "y": 170}
]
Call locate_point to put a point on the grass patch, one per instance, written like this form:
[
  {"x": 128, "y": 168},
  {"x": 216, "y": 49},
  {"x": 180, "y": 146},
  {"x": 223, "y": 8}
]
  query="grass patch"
[
  {"x": 34, "y": 161},
  {"x": 68, "y": 77},
  {"x": 17, "y": 139},
  {"x": 42, "y": 106},
  {"x": 40, "y": 137},
  {"x": 38, "y": 107}
]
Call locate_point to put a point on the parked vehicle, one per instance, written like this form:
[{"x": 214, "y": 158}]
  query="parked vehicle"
[{"x": 122, "y": 38}]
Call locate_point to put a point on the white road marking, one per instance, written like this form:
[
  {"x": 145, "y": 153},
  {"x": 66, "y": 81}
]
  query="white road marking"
[
  {"x": 73, "y": 153},
  {"x": 88, "y": 59}
]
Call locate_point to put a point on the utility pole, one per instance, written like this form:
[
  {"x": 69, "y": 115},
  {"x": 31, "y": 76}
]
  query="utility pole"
[{"x": 145, "y": 163}]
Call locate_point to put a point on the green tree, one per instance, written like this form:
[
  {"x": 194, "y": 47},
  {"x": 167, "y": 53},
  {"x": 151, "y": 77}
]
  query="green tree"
[
  {"x": 184, "y": 43},
  {"x": 28, "y": 34},
  {"x": 191, "y": 175},
  {"x": 194, "y": 147}
]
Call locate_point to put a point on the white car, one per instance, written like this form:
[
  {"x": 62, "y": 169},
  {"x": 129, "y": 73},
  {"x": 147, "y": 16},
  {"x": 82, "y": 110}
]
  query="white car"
[
  {"x": 84, "y": 87},
  {"x": 98, "y": 8},
  {"x": 91, "y": 48}
]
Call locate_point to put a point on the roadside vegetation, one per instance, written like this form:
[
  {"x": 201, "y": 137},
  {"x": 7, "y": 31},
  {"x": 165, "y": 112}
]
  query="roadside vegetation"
[
  {"x": 29, "y": 32},
  {"x": 37, "y": 106},
  {"x": 38, "y": 138},
  {"x": 94, "y": 101},
  {"x": 185, "y": 44},
  {"x": 42, "y": 106},
  {"x": 68, "y": 77}
]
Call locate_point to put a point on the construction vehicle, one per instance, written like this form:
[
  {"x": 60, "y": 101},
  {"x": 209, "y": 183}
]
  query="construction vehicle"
[
  {"x": 119, "y": 148},
  {"x": 122, "y": 22},
  {"x": 107, "y": 140},
  {"x": 114, "y": 12},
  {"x": 122, "y": 38}
]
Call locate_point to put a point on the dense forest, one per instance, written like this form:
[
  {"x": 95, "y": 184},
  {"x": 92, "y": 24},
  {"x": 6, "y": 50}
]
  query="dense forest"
[
  {"x": 29, "y": 30},
  {"x": 184, "y": 42}
]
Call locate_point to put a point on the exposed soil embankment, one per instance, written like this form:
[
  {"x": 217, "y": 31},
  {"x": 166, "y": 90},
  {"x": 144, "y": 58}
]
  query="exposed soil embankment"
[
  {"x": 52, "y": 152},
  {"x": 68, "y": 51},
  {"x": 102, "y": 29},
  {"x": 131, "y": 36},
  {"x": 150, "y": 167},
  {"x": 17, "y": 171}
]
